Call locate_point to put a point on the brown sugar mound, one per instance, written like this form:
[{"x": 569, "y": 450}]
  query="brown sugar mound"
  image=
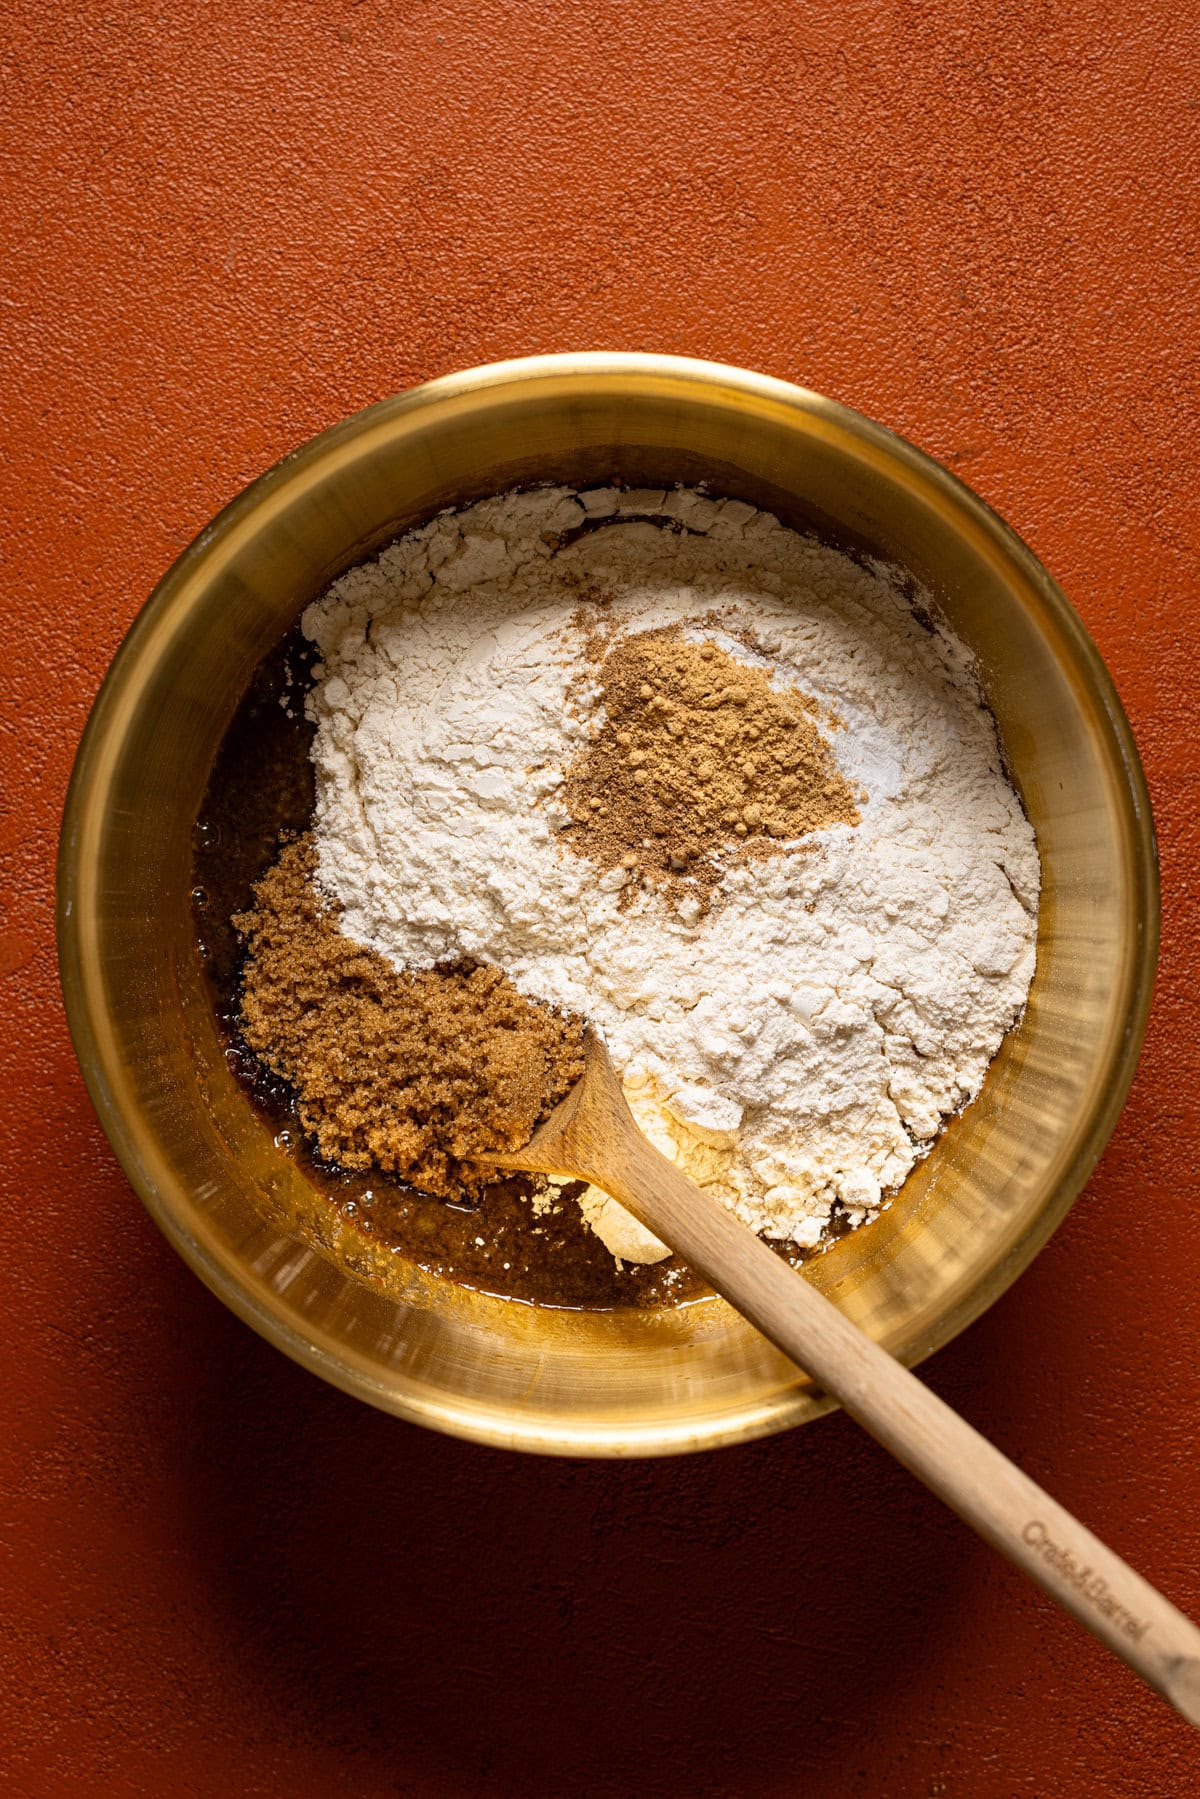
[
  {"x": 416, "y": 1073},
  {"x": 698, "y": 754}
]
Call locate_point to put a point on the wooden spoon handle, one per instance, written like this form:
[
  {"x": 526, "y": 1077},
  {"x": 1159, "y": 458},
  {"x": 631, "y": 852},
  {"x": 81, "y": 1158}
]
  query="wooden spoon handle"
[{"x": 987, "y": 1490}]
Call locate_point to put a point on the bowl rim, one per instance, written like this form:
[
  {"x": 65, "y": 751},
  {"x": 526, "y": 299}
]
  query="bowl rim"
[{"x": 749, "y": 1419}]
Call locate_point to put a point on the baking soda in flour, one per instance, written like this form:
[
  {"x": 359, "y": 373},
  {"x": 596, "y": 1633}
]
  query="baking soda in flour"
[{"x": 796, "y": 1046}]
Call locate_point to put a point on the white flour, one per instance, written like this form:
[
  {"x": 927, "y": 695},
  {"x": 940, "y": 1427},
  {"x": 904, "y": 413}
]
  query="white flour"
[{"x": 800, "y": 1044}]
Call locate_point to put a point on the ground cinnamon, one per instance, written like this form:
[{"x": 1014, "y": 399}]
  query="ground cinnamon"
[{"x": 698, "y": 756}]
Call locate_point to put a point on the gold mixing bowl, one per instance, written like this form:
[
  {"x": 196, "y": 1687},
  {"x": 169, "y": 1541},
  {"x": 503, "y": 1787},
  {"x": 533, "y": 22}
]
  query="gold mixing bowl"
[{"x": 969, "y": 1217}]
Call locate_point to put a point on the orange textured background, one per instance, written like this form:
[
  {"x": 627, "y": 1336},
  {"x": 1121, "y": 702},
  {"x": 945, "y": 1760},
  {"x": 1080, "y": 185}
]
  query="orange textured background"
[{"x": 228, "y": 225}]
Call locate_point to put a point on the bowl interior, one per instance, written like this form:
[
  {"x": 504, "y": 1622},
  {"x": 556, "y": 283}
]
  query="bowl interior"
[{"x": 968, "y": 1218}]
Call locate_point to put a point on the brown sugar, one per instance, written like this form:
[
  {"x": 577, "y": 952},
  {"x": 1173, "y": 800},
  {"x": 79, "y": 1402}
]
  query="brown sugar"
[
  {"x": 417, "y": 1073},
  {"x": 698, "y": 755}
]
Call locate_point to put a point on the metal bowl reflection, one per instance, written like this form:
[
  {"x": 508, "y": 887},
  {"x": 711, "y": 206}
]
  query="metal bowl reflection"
[{"x": 969, "y": 1218}]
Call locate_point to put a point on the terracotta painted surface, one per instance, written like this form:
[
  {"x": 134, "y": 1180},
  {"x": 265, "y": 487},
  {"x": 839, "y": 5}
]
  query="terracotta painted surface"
[{"x": 226, "y": 227}]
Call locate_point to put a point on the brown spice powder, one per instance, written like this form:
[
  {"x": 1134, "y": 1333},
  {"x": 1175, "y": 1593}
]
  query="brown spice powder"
[
  {"x": 698, "y": 754},
  {"x": 416, "y": 1073}
]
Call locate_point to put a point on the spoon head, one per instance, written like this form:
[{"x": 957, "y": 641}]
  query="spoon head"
[{"x": 579, "y": 1136}]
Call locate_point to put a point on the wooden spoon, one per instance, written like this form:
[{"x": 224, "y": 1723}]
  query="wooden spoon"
[{"x": 592, "y": 1137}]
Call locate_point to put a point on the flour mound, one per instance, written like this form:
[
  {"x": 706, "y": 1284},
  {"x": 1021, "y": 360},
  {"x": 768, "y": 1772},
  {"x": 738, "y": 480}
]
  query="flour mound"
[{"x": 795, "y": 1045}]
